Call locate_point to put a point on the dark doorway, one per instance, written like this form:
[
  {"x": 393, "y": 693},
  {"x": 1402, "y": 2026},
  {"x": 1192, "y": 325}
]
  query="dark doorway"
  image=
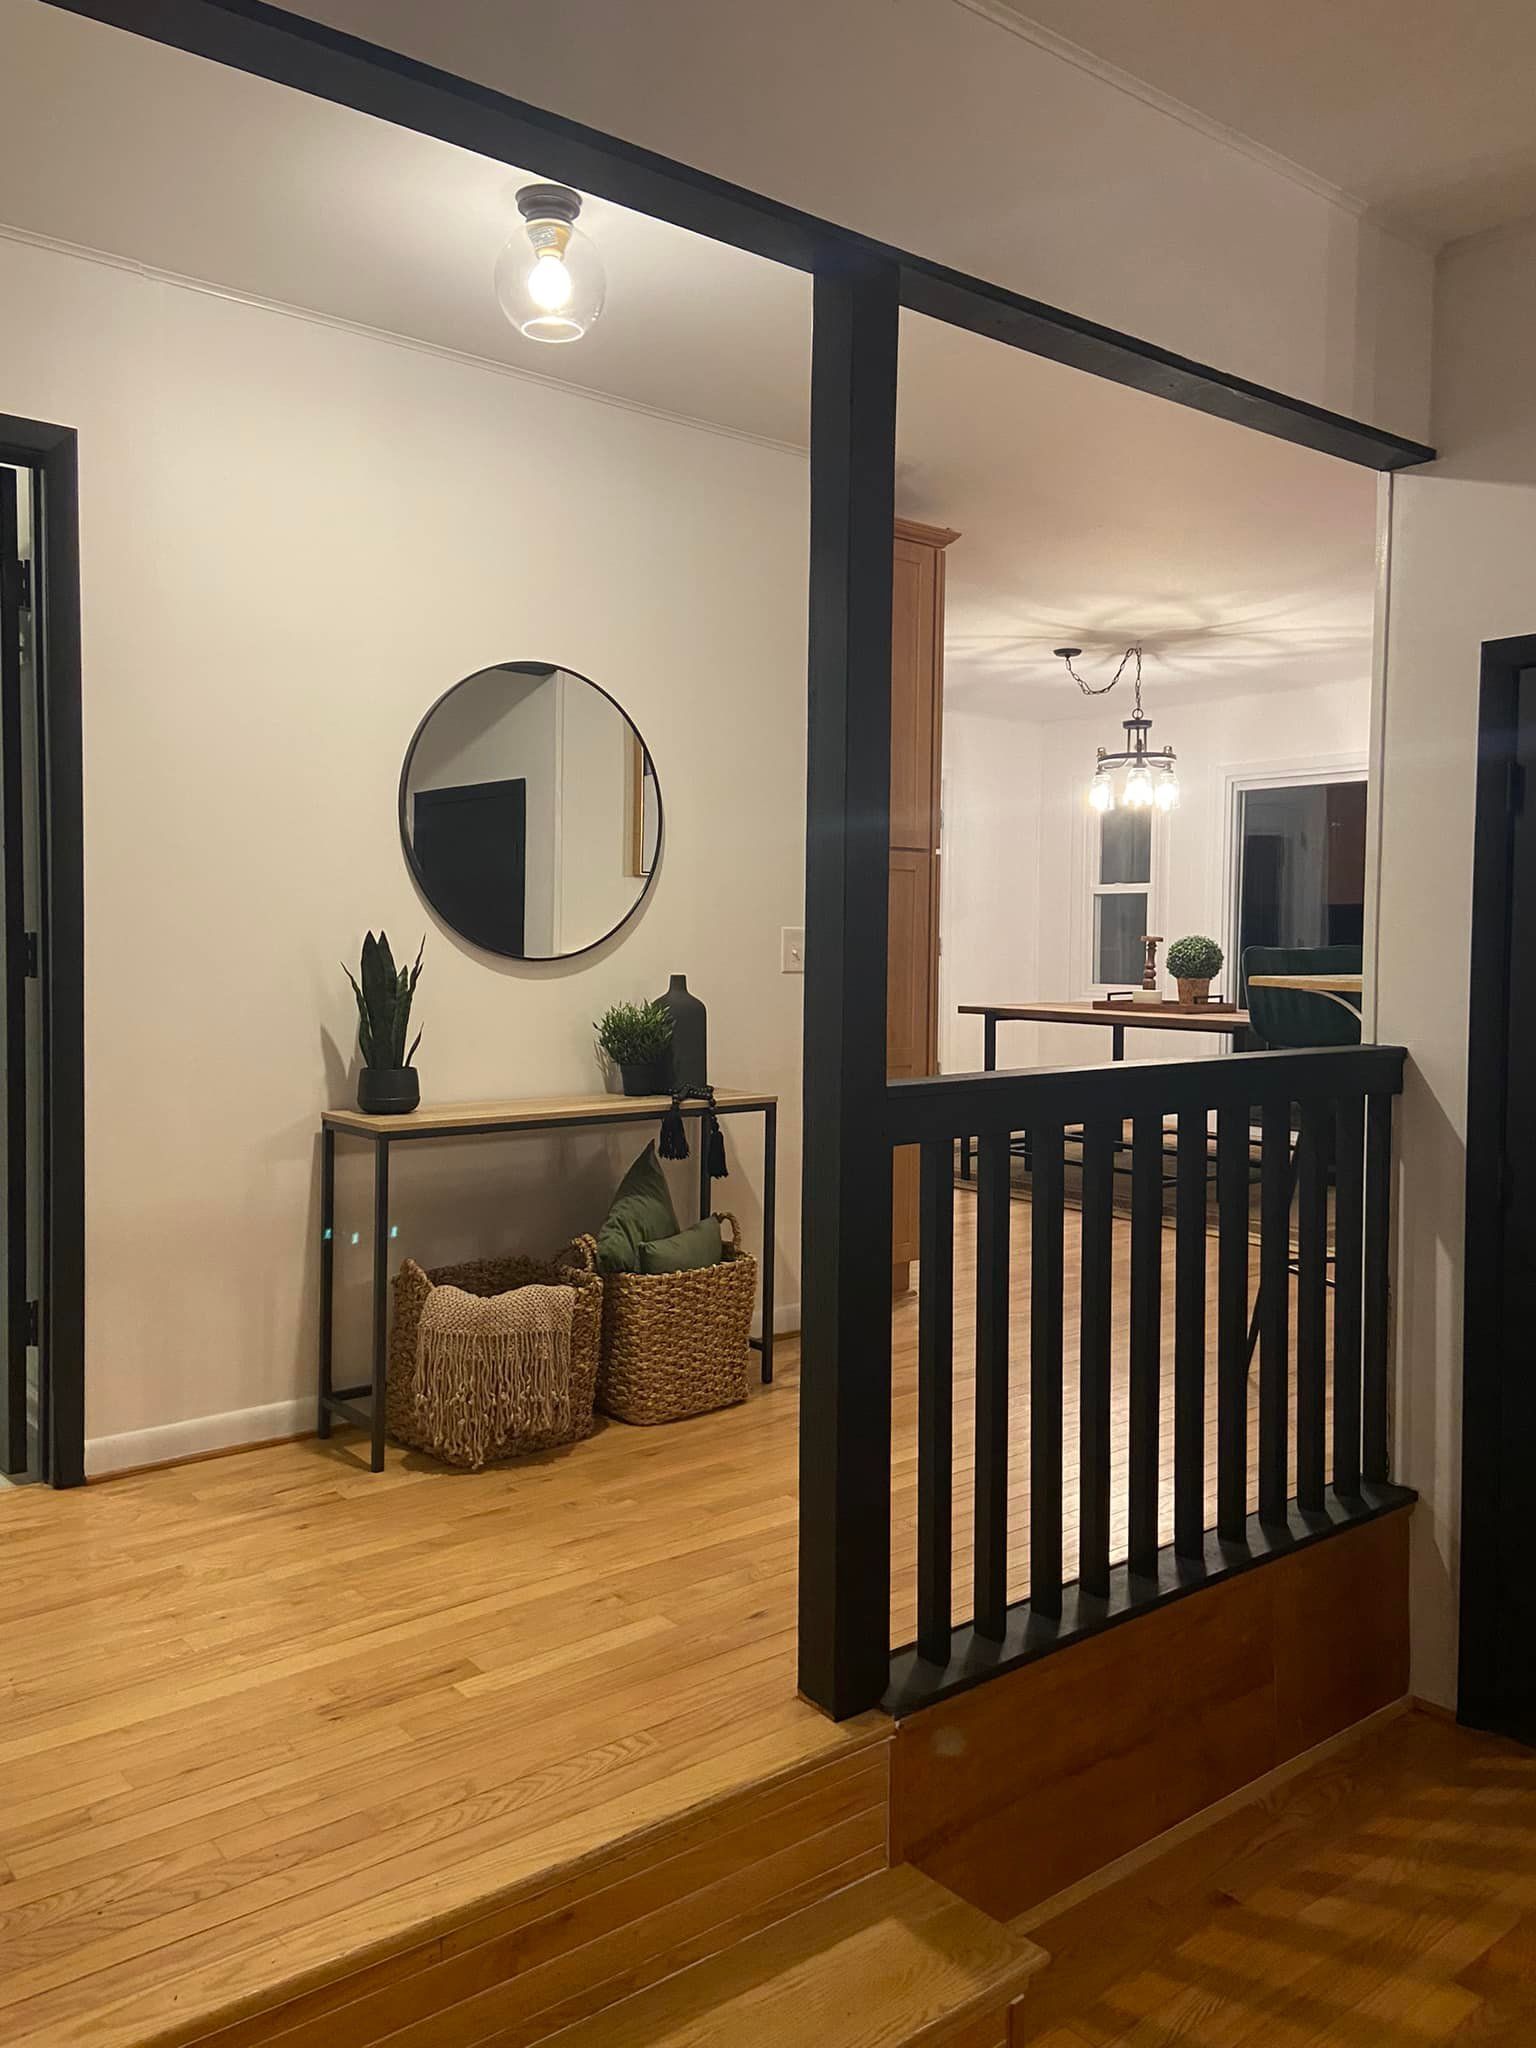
[
  {"x": 42, "y": 1162},
  {"x": 1301, "y": 865},
  {"x": 1497, "y": 1688},
  {"x": 471, "y": 843}
]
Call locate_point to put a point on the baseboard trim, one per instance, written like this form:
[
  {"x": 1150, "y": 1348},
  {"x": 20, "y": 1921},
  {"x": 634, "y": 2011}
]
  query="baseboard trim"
[
  {"x": 249, "y": 1429},
  {"x": 1208, "y": 1816},
  {"x": 172, "y": 1443}
]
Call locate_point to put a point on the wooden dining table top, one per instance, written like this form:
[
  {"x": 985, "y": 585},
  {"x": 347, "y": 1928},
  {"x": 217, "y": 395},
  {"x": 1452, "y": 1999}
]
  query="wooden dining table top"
[{"x": 1134, "y": 1016}]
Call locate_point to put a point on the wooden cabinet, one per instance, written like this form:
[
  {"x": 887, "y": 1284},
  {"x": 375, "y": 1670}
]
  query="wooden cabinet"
[{"x": 917, "y": 713}]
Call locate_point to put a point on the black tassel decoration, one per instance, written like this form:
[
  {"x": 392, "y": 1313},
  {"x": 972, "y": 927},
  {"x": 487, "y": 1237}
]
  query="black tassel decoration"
[
  {"x": 674, "y": 1132},
  {"x": 714, "y": 1143}
]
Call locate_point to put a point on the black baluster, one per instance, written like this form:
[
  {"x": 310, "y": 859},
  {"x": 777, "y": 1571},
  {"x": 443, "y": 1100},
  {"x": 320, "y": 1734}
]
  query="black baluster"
[
  {"x": 1146, "y": 1336},
  {"x": 1312, "y": 1304},
  {"x": 1348, "y": 1283},
  {"x": 1274, "y": 1311},
  {"x": 992, "y": 1258},
  {"x": 1094, "y": 1386},
  {"x": 1232, "y": 1323},
  {"x": 935, "y": 1399},
  {"x": 1189, "y": 1334},
  {"x": 1378, "y": 1229},
  {"x": 1045, "y": 1391}
]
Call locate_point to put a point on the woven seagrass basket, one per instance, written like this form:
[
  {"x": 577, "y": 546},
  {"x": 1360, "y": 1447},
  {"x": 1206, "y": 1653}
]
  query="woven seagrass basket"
[
  {"x": 575, "y": 1268},
  {"x": 675, "y": 1344}
]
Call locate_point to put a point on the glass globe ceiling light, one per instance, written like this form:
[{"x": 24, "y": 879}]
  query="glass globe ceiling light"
[
  {"x": 1150, "y": 776},
  {"x": 549, "y": 277}
]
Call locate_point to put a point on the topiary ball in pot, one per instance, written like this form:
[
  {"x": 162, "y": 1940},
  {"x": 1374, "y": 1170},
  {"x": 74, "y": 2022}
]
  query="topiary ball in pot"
[{"x": 1194, "y": 962}]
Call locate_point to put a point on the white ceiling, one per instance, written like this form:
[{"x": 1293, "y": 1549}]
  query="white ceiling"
[
  {"x": 1088, "y": 513},
  {"x": 1419, "y": 109}
]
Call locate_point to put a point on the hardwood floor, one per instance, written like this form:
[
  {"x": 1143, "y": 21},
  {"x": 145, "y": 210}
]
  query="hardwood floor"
[
  {"x": 1387, "y": 1897},
  {"x": 271, "y": 1710}
]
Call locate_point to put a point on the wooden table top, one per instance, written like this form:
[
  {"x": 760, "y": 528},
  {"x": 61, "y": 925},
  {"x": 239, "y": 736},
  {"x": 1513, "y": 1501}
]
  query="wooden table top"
[
  {"x": 1136, "y": 1016},
  {"x": 529, "y": 1112},
  {"x": 1313, "y": 984}
]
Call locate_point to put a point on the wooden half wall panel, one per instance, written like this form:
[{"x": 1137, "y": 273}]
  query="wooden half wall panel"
[{"x": 1019, "y": 1788}]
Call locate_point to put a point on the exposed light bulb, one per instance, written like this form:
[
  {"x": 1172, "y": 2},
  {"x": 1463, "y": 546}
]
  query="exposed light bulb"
[
  {"x": 1168, "y": 791},
  {"x": 1138, "y": 789},
  {"x": 549, "y": 282},
  {"x": 549, "y": 278},
  {"x": 1101, "y": 793}
]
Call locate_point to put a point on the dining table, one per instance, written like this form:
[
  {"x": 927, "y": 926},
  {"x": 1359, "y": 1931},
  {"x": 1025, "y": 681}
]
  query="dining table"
[{"x": 1116, "y": 1019}]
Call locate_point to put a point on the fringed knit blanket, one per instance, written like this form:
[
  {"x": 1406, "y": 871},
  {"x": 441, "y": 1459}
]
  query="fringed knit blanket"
[{"x": 493, "y": 1373}]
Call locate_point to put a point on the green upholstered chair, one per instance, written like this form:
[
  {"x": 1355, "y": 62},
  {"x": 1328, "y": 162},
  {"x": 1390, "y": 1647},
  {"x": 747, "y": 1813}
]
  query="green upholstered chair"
[{"x": 1293, "y": 1019}]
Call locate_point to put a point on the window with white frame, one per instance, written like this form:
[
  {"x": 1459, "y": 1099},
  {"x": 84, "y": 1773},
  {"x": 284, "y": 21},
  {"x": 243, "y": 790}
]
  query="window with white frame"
[{"x": 1122, "y": 897}]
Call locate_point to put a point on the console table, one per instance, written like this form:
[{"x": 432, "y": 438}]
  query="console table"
[{"x": 447, "y": 1121}]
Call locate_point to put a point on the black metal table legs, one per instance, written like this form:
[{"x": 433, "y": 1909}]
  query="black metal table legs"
[
  {"x": 327, "y": 1271},
  {"x": 345, "y": 1402},
  {"x": 348, "y": 1402}
]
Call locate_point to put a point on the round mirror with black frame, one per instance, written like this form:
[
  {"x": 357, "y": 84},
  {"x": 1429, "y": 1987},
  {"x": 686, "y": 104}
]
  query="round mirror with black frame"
[{"x": 530, "y": 811}]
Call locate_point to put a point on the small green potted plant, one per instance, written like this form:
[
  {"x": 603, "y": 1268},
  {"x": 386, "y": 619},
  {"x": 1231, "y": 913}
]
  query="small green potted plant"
[
  {"x": 1193, "y": 963},
  {"x": 637, "y": 1037},
  {"x": 387, "y": 1084}
]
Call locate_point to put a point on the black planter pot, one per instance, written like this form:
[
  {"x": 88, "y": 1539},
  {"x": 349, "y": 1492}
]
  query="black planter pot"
[
  {"x": 388, "y": 1091},
  {"x": 649, "y": 1077}
]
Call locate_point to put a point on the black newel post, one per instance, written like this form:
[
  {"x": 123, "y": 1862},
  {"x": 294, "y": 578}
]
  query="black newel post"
[{"x": 845, "y": 1394}]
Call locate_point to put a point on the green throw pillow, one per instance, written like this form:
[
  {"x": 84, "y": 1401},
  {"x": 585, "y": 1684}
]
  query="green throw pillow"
[
  {"x": 686, "y": 1252},
  {"x": 642, "y": 1209}
]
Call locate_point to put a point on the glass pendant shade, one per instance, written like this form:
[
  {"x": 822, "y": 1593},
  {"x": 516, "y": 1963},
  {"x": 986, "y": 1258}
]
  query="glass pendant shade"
[
  {"x": 1101, "y": 792},
  {"x": 549, "y": 278},
  {"x": 1138, "y": 789},
  {"x": 1167, "y": 793}
]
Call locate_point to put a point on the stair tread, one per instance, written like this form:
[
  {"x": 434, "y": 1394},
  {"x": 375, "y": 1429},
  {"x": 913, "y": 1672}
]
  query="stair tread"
[{"x": 894, "y": 1959}]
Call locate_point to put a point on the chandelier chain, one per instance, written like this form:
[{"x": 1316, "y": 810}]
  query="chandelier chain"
[{"x": 1132, "y": 653}]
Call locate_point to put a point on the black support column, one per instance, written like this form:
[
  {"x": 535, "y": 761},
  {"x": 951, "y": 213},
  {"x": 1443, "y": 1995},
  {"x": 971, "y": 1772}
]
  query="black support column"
[{"x": 845, "y": 1390}]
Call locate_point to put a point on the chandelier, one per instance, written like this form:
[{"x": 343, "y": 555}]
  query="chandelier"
[{"x": 1148, "y": 776}]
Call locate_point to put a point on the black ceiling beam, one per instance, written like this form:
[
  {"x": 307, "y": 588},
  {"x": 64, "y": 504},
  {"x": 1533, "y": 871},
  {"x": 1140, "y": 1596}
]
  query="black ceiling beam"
[{"x": 290, "y": 49}]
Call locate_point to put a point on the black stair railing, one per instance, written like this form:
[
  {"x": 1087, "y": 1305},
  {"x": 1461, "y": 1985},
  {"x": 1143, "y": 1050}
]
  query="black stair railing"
[{"x": 1279, "y": 1166}]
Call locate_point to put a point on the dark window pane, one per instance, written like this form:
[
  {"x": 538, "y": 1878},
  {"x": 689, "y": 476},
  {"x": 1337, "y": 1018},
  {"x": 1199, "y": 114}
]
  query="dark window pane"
[
  {"x": 1125, "y": 846},
  {"x": 1302, "y": 879},
  {"x": 1119, "y": 926}
]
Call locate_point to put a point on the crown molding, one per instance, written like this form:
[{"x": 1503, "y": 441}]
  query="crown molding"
[
  {"x": 316, "y": 317},
  {"x": 1004, "y": 16}
]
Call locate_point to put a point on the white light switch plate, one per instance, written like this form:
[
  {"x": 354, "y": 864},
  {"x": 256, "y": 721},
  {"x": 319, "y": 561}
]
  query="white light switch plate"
[{"x": 792, "y": 954}]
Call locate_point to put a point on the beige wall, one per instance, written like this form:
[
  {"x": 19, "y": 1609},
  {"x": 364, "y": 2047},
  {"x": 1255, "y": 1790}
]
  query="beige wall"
[
  {"x": 947, "y": 133},
  {"x": 293, "y": 539},
  {"x": 1463, "y": 544}
]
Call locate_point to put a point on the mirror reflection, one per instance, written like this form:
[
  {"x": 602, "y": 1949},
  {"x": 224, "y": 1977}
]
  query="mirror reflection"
[{"x": 530, "y": 811}]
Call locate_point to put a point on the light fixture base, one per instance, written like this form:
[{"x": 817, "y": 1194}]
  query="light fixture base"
[{"x": 549, "y": 202}]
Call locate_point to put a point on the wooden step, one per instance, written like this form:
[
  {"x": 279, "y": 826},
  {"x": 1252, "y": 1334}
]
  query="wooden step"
[{"x": 895, "y": 1961}]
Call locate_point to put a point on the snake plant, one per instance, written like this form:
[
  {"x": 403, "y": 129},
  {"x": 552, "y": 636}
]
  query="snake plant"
[{"x": 384, "y": 1004}]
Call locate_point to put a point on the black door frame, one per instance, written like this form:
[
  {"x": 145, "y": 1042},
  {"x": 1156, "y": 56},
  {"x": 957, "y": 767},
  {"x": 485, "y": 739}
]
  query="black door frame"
[
  {"x": 1498, "y": 1592},
  {"x": 861, "y": 287},
  {"x": 50, "y": 453}
]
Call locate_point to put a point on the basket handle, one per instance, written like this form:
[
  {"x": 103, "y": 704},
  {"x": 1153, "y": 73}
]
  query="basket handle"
[
  {"x": 581, "y": 1253},
  {"x": 724, "y": 1216}
]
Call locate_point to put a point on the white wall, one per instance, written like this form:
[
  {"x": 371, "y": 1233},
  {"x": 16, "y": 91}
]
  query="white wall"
[
  {"x": 596, "y": 886},
  {"x": 293, "y": 539},
  {"x": 929, "y": 125},
  {"x": 1463, "y": 544},
  {"x": 1018, "y": 841}
]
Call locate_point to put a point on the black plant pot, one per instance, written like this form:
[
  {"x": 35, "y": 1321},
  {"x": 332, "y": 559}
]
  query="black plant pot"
[
  {"x": 648, "y": 1077},
  {"x": 388, "y": 1091}
]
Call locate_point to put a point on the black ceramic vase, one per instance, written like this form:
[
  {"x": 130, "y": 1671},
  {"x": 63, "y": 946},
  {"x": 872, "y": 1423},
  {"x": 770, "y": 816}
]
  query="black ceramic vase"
[
  {"x": 388, "y": 1091},
  {"x": 690, "y": 1035}
]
